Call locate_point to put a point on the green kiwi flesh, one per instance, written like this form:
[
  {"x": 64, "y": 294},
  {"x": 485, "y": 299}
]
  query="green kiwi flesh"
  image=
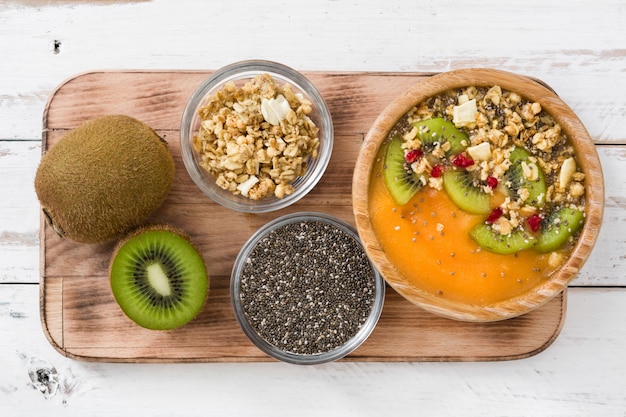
[
  {"x": 491, "y": 240},
  {"x": 401, "y": 182},
  {"x": 158, "y": 278},
  {"x": 556, "y": 231},
  {"x": 104, "y": 179},
  {"x": 558, "y": 228},
  {"x": 439, "y": 130},
  {"x": 515, "y": 176},
  {"x": 459, "y": 184}
]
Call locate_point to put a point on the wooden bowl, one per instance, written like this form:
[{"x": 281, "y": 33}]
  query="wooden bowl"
[{"x": 587, "y": 159}]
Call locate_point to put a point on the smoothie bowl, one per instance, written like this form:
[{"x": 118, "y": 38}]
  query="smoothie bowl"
[{"x": 478, "y": 194}]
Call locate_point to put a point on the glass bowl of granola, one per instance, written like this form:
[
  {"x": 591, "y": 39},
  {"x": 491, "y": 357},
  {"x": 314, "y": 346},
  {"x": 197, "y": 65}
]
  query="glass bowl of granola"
[
  {"x": 256, "y": 136},
  {"x": 478, "y": 194}
]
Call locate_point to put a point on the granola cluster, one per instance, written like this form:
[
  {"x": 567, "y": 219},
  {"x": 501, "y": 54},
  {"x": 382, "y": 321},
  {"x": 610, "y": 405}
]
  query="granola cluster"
[
  {"x": 256, "y": 139},
  {"x": 500, "y": 121}
]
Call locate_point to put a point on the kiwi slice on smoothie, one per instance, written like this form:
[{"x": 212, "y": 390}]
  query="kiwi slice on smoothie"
[
  {"x": 558, "y": 227},
  {"x": 400, "y": 180},
  {"x": 439, "y": 130},
  {"x": 489, "y": 239},
  {"x": 526, "y": 177},
  {"x": 465, "y": 192},
  {"x": 159, "y": 278},
  {"x": 556, "y": 230}
]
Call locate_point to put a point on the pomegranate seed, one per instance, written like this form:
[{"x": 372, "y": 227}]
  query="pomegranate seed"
[
  {"x": 462, "y": 161},
  {"x": 492, "y": 182},
  {"x": 534, "y": 222},
  {"x": 436, "y": 171},
  {"x": 494, "y": 215},
  {"x": 413, "y": 155}
]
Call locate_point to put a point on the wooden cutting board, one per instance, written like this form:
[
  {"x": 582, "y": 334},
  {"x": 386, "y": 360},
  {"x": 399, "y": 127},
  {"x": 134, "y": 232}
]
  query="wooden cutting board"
[{"x": 82, "y": 320}]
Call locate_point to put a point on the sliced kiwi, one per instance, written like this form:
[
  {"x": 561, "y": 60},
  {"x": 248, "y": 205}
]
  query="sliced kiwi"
[
  {"x": 104, "y": 178},
  {"x": 159, "y": 278},
  {"x": 558, "y": 227},
  {"x": 465, "y": 193},
  {"x": 517, "y": 179},
  {"x": 439, "y": 130},
  {"x": 401, "y": 181},
  {"x": 518, "y": 154},
  {"x": 489, "y": 239}
]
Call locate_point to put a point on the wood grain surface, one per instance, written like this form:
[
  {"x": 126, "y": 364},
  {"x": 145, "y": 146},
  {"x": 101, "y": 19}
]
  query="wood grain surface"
[{"x": 82, "y": 320}]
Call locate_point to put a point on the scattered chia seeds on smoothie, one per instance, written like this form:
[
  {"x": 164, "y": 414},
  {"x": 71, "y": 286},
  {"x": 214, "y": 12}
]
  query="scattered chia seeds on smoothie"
[{"x": 307, "y": 287}]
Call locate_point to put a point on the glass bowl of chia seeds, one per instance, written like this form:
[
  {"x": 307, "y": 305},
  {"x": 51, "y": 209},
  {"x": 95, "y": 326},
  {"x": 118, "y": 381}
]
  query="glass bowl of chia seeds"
[
  {"x": 304, "y": 291},
  {"x": 256, "y": 136}
]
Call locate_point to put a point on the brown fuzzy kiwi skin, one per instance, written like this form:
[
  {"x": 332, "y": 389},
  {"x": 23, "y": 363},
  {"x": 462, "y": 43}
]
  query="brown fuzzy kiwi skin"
[
  {"x": 104, "y": 178},
  {"x": 158, "y": 227}
]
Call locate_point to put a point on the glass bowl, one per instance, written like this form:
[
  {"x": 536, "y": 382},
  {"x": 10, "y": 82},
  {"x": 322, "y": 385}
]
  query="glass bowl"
[
  {"x": 241, "y": 73},
  {"x": 304, "y": 291}
]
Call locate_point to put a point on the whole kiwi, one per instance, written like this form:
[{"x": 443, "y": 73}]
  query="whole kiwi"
[{"x": 104, "y": 178}]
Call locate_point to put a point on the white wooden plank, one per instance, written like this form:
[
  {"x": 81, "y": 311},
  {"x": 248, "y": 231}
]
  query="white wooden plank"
[
  {"x": 607, "y": 263},
  {"x": 575, "y": 47},
  {"x": 19, "y": 212},
  {"x": 561, "y": 381},
  {"x": 570, "y": 45}
]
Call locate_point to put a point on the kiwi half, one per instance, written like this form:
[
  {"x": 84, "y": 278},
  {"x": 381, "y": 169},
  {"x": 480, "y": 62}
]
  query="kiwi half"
[
  {"x": 400, "y": 180},
  {"x": 469, "y": 197},
  {"x": 158, "y": 277},
  {"x": 104, "y": 178}
]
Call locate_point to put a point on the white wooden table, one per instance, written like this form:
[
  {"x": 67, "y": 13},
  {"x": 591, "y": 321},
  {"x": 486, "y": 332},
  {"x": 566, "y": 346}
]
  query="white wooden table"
[{"x": 577, "y": 48}]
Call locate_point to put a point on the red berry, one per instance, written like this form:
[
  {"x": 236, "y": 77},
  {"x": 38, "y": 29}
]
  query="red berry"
[
  {"x": 461, "y": 160},
  {"x": 413, "y": 155},
  {"x": 495, "y": 215},
  {"x": 534, "y": 222},
  {"x": 436, "y": 171},
  {"x": 492, "y": 182}
]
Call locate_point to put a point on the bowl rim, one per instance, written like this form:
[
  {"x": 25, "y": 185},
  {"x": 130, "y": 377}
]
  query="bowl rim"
[
  {"x": 354, "y": 342},
  {"x": 585, "y": 152},
  {"x": 247, "y": 69}
]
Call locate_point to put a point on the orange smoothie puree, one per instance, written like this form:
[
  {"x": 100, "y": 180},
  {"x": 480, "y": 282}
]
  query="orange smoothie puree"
[{"x": 427, "y": 240}]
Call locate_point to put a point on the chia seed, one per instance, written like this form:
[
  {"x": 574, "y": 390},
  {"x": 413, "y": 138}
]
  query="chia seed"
[{"x": 307, "y": 287}]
